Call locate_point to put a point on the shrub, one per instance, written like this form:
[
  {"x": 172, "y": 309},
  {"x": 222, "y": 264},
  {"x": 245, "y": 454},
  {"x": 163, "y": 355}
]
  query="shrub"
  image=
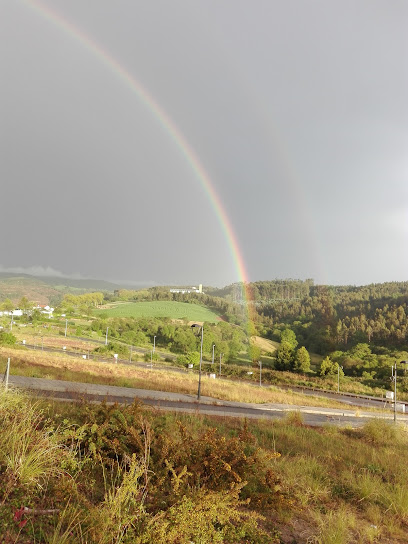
[
  {"x": 294, "y": 418},
  {"x": 381, "y": 432},
  {"x": 207, "y": 517},
  {"x": 7, "y": 338},
  {"x": 150, "y": 356}
]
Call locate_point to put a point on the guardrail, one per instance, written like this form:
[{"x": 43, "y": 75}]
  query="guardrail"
[{"x": 344, "y": 394}]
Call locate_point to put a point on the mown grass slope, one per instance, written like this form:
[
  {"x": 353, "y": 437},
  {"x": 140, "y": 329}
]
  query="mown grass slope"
[{"x": 174, "y": 310}]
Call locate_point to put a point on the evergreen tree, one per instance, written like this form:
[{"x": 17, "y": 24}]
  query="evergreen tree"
[
  {"x": 284, "y": 357},
  {"x": 302, "y": 360}
]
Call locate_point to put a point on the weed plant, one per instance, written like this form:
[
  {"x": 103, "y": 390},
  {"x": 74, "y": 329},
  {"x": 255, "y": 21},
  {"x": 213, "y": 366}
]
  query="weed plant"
[{"x": 98, "y": 474}]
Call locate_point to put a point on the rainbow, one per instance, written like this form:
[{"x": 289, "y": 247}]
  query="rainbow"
[{"x": 167, "y": 124}]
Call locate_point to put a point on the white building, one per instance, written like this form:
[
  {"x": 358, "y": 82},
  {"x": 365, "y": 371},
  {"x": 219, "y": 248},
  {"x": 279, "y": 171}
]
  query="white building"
[
  {"x": 14, "y": 313},
  {"x": 45, "y": 310},
  {"x": 184, "y": 290}
]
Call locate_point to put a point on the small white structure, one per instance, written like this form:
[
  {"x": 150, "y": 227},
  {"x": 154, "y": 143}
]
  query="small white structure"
[
  {"x": 15, "y": 313},
  {"x": 47, "y": 310},
  {"x": 187, "y": 290},
  {"x": 401, "y": 407}
]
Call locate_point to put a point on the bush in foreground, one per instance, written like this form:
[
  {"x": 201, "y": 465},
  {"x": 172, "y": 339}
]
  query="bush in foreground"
[{"x": 99, "y": 474}]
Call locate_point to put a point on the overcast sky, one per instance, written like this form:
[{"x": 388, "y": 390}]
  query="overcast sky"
[{"x": 297, "y": 110}]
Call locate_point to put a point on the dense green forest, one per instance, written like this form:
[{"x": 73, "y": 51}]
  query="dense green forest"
[
  {"x": 330, "y": 318},
  {"x": 324, "y": 318}
]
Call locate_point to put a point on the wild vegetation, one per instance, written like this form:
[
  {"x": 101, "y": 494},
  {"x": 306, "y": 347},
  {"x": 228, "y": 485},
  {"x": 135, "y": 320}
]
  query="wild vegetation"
[{"x": 96, "y": 474}]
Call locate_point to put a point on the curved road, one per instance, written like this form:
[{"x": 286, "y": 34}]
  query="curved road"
[
  {"x": 73, "y": 391},
  {"x": 361, "y": 401}
]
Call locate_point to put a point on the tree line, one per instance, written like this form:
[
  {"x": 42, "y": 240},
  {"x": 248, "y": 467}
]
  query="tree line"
[{"x": 228, "y": 340}]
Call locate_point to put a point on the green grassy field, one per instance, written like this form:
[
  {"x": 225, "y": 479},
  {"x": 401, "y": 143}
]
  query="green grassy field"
[{"x": 174, "y": 310}]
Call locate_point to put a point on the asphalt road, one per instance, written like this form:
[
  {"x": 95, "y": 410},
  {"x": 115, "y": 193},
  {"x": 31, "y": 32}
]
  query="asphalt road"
[
  {"x": 360, "y": 401},
  {"x": 73, "y": 391}
]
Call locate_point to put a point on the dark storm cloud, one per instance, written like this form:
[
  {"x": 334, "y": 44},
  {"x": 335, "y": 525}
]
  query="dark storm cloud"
[{"x": 297, "y": 111}]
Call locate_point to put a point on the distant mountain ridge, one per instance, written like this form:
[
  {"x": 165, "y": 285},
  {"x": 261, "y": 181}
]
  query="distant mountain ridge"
[{"x": 48, "y": 289}]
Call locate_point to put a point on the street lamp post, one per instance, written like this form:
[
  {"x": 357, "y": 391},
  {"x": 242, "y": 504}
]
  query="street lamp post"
[
  {"x": 213, "y": 353},
  {"x": 201, "y": 359},
  {"x": 106, "y": 337},
  {"x": 260, "y": 373},
  {"x": 394, "y": 379},
  {"x": 338, "y": 377},
  {"x": 154, "y": 344}
]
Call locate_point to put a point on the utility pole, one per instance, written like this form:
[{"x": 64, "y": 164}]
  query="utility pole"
[
  {"x": 130, "y": 358},
  {"x": 201, "y": 359},
  {"x": 106, "y": 337},
  {"x": 394, "y": 379},
  {"x": 7, "y": 374},
  {"x": 221, "y": 354},
  {"x": 201, "y": 362},
  {"x": 338, "y": 377},
  {"x": 154, "y": 344},
  {"x": 213, "y": 353},
  {"x": 260, "y": 373},
  {"x": 66, "y": 327}
]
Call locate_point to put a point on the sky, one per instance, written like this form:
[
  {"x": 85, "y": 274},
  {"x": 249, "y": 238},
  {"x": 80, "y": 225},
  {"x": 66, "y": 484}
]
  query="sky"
[{"x": 205, "y": 141}]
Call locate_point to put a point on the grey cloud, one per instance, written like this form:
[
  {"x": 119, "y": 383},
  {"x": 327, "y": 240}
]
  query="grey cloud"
[{"x": 296, "y": 110}]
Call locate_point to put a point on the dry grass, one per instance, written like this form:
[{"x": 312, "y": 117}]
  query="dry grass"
[
  {"x": 52, "y": 341},
  {"x": 43, "y": 364},
  {"x": 27, "y": 450},
  {"x": 264, "y": 344}
]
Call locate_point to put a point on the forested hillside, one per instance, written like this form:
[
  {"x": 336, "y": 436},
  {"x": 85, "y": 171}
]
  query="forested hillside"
[
  {"x": 324, "y": 318},
  {"x": 338, "y": 317}
]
